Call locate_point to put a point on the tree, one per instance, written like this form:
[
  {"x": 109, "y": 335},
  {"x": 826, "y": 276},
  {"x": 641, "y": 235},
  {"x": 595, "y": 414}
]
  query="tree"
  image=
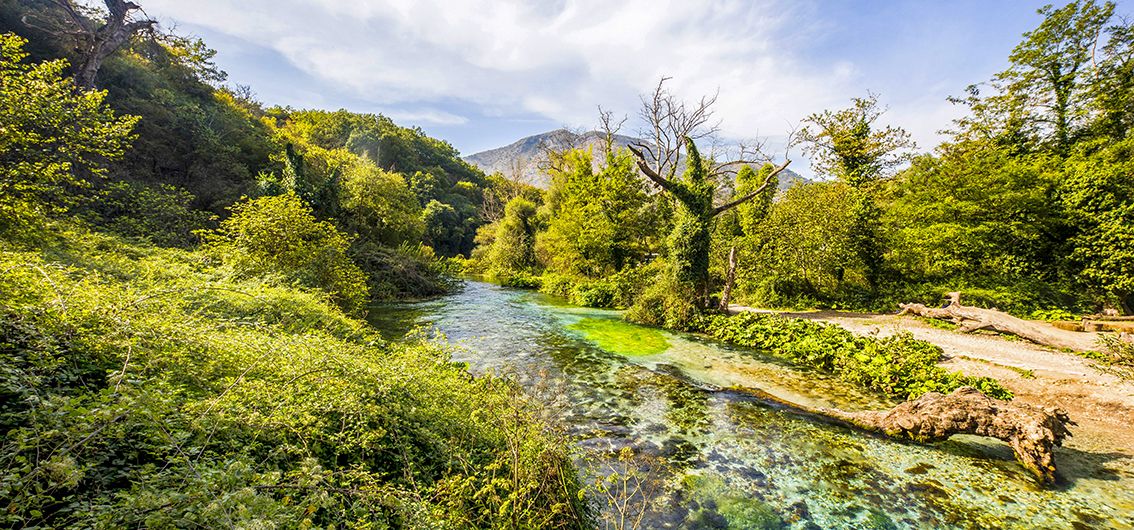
[
  {"x": 744, "y": 223},
  {"x": 1044, "y": 99},
  {"x": 850, "y": 145},
  {"x": 51, "y": 136},
  {"x": 96, "y": 41},
  {"x": 597, "y": 222},
  {"x": 378, "y": 206},
  {"x": 513, "y": 249},
  {"x": 1097, "y": 191},
  {"x": 669, "y": 142},
  {"x": 1049, "y": 68}
]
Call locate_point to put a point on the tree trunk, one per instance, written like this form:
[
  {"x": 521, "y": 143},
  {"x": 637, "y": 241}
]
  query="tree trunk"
[
  {"x": 100, "y": 43},
  {"x": 1031, "y": 431},
  {"x": 970, "y": 319},
  {"x": 730, "y": 279}
]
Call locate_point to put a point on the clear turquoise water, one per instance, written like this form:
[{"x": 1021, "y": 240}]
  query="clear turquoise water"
[{"x": 734, "y": 462}]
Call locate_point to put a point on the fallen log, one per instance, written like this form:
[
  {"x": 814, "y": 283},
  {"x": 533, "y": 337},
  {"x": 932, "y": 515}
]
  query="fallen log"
[
  {"x": 969, "y": 319},
  {"x": 1032, "y": 432}
]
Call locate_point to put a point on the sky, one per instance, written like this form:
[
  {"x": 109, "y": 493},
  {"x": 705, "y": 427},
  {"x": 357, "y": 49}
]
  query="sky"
[{"x": 482, "y": 74}]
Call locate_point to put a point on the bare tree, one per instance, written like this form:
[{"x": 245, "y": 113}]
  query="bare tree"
[
  {"x": 673, "y": 128},
  {"x": 96, "y": 41},
  {"x": 672, "y": 125}
]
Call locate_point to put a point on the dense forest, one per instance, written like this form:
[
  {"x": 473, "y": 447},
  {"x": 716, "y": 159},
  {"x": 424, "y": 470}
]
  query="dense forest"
[{"x": 185, "y": 270}]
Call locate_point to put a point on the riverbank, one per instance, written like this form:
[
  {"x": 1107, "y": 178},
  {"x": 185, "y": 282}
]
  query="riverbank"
[{"x": 1100, "y": 402}]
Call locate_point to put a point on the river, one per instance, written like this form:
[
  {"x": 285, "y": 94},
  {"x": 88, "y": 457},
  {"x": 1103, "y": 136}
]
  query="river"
[{"x": 716, "y": 459}]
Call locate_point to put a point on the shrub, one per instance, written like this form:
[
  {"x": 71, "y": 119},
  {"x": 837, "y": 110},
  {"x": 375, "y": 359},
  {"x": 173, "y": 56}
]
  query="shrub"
[
  {"x": 279, "y": 236},
  {"x": 409, "y": 271},
  {"x": 666, "y": 303},
  {"x": 50, "y": 135},
  {"x": 161, "y": 214}
]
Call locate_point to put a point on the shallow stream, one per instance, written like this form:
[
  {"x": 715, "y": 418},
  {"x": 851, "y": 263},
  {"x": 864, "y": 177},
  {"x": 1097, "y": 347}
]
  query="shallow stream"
[{"x": 727, "y": 460}]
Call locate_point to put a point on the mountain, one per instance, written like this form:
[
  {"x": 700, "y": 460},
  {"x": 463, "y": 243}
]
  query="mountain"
[{"x": 526, "y": 159}]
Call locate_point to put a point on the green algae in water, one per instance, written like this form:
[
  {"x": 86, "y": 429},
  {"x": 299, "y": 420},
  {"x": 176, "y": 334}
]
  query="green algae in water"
[
  {"x": 724, "y": 507},
  {"x": 621, "y": 338}
]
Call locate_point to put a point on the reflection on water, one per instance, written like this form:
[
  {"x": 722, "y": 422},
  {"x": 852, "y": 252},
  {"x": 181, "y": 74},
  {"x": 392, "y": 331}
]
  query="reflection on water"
[{"x": 734, "y": 462}]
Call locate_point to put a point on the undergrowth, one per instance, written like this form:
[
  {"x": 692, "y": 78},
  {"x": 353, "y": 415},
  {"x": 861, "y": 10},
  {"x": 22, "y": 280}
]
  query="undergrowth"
[
  {"x": 144, "y": 387},
  {"x": 899, "y": 366}
]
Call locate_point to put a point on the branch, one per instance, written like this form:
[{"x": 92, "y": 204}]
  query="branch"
[
  {"x": 728, "y": 206},
  {"x": 649, "y": 172},
  {"x": 74, "y": 15}
]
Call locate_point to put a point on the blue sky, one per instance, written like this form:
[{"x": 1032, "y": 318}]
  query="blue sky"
[{"x": 482, "y": 74}]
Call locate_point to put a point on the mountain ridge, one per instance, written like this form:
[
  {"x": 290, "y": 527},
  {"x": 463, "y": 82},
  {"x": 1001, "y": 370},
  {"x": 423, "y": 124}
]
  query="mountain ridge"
[{"x": 525, "y": 159}]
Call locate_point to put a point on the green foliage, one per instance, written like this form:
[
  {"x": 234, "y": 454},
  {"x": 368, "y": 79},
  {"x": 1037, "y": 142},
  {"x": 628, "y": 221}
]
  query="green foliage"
[
  {"x": 618, "y": 290},
  {"x": 161, "y": 214},
  {"x": 379, "y": 207},
  {"x": 666, "y": 302},
  {"x": 898, "y": 366},
  {"x": 597, "y": 222},
  {"x": 143, "y": 389},
  {"x": 847, "y": 144},
  {"x": 1098, "y": 194},
  {"x": 513, "y": 246},
  {"x": 691, "y": 238},
  {"x": 410, "y": 271},
  {"x": 53, "y": 137},
  {"x": 1053, "y": 315},
  {"x": 278, "y": 236},
  {"x": 802, "y": 254},
  {"x": 430, "y": 169},
  {"x": 210, "y": 142}
]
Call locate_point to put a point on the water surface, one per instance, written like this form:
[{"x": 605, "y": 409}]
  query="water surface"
[{"x": 724, "y": 460}]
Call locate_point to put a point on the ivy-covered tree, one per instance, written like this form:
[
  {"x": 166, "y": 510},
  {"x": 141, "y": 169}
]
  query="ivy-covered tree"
[{"x": 673, "y": 127}]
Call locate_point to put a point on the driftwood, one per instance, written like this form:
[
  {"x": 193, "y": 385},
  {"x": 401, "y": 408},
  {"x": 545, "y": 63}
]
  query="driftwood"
[
  {"x": 1032, "y": 432},
  {"x": 970, "y": 319}
]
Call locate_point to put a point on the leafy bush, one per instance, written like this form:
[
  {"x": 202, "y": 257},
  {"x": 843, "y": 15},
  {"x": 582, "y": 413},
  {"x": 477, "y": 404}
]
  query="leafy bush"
[
  {"x": 409, "y": 271},
  {"x": 279, "y": 236},
  {"x": 898, "y": 366},
  {"x": 161, "y": 214},
  {"x": 141, "y": 389},
  {"x": 666, "y": 303},
  {"x": 618, "y": 290}
]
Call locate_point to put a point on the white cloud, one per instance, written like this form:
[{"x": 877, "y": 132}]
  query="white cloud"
[
  {"x": 433, "y": 116},
  {"x": 555, "y": 58}
]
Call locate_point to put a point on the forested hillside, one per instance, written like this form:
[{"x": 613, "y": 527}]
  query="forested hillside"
[{"x": 183, "y": 275}]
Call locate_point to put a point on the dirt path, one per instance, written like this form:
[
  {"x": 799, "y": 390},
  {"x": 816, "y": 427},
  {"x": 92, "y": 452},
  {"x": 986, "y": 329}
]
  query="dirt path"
[{"x": 1101, "y": 403}]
